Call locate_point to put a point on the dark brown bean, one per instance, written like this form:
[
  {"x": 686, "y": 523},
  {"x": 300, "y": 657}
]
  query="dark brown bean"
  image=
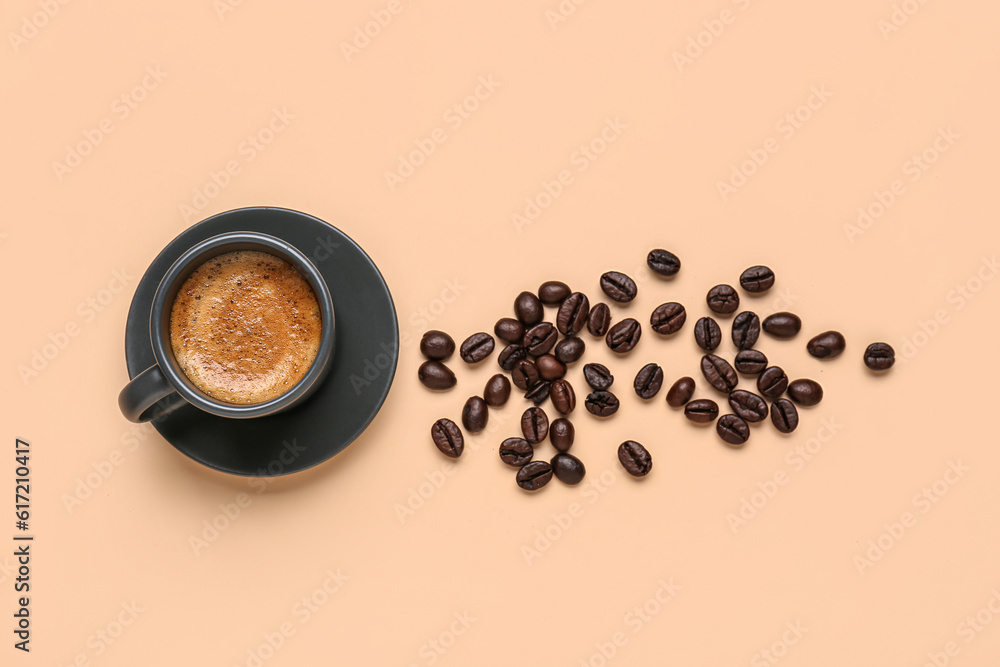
[
  {"x": 598, "y": 376},
  {"x": 750, "y": 362},
  {"x": 668, "y": 318},
  {"x": 550, "y": 368},
  {"x": 525, "y": 374},
  {"x": 648, "y": 381},
  {"x": 534, "y": 425},
  {"x": 437, "y": 345},
  {"x": 733, "y": 430},
  {"x": 561, "y": 434},
  {"x": 447, "y": 437},
  {"x": 806, "y": 393},
  {"x": 516, "y": 452},
  {"x": 634, "y": 458},
  {"x": 772, "y": 382},
  {"x": 475, "y": 414},
  {"x": 748, "y": 406},
  {"x": 538, "y": 392},
  {"x": 681, "y": 392},
  {"x": 599, "y": 320},
  {"x": 746, "y": 330},
  {"x": 663, "y": 262},
  {"x": 508, "y": 329},
  {"x": 723, "y": 299},
  {"x": 511, "y": 355},
  {"x": 784, "y": 416},
  {"x": 435, "y": 375},
  {"x": 624, "y": 336},
  {"x": 707, "y": 334},
  {"x": 497, "y": 391},
  {"x": 477, "y": 347},
  {"x": 880, "y": 356},
  {"x": 570, "y": 349},
  {"x": 540, "y": 338},
  {"x": 618, "y": 286},
  {"x": 572, "y": 315},
  {"x": 552, "y": 292},
  {"x": 563, "y": 397},
  {"x": 827, "y": 345},
  {"x": 534, "y": 475},
  {"x": 782, "y": 325},
  {"x": 601, "y": 403},
  {"x": 719, "y": 373},
  {"x": 568, "y": 469},
  {"x": 528, "y": 309},
  {"x": 757, "y": 279},
  {"x": 701, "y": 411}
]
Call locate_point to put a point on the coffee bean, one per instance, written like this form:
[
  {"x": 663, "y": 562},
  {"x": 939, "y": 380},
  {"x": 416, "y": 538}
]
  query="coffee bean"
[
  {"x": 540, "y": 338},
  {"x": 681, "y": 392},
  {"x": 448, "y": 438},
  {"x": 663, "y": 262},
  {"x": 707, "y": 334},
  {"x": 748, "y": 406},
  {"x": 746, "y": 330},
  {"x": 623, "y": 336},
  {"x": 435, "y": 375},
  {"x": 806, "y": 393},
  {"x": 516, "y": 452},
  {"x": 782, "y": 325},
  {"x": 562, "y": 433},
  {"x": 599, "y": 320},
  {"x": 437, "y": 345},
  {"x": 618, "y": 286},
  {"x": 476, "y": 347},
  {"x": 534, "y": 425},
  {"x": 533, "y": 476},
  {"x": 880, "y": 356},
  {"x": 510, "y": 355},
  {"x": 719, "y": 373},
  {"x": 827, "y": 345},
  {"x": 572, "y": 315},
  {"x": 598, "y": 376},
  {"x": 772, "y": 382},
  {"x": 563, "y": 397},
  {"x": 701, "y": 411},
  {"x": 509, "y": 329},
  {"x": 750, "y": 362},
  {"x": 497, "y": 391},
  {"x": 570, "y": 349},
  {"x": 601, "y": 403},
  {"x": 475, "y": 415},
  {"x": 552, "y": 292},
  {"x": 784, "y": 416},
  {"x": 723, "y": 299},
  {"x": 549, "y": 367},
  {"x": 668, "y": 318},
  {"x": 528, "y": 309},
  {"x": 538, "y": 392},
  {"x": 733, "y": 430},
  {"x": 634, "y": 458},
  {"x": 757, "y": 279},
  {"x": 568, "y": 469},
  {"x": 525, "y": 374},
  {"x": 648, "y": 381}
]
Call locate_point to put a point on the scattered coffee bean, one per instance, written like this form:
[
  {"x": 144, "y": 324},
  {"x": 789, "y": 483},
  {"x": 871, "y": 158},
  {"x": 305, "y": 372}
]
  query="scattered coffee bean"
[
  {"x": 563, "y": 397},
  {"x": 663, "y": 262},
  {"x": 601, "y": 403},
  {"x": 599, "y": 320},
  {"x": 533, "y": 476},
  {"x": 681, "y": 392},
  {"x": 510, "y": 355},
  {"x": 719, "y": 373},
  {"x": 572, "y": 315},
  {"x": 784, "y": 416},
  {"x": 549, "y": 367},
  {"x": 435, "y": 375},
  {"x": 516, "y": 452},
  {"x": 750, "y": 362},
  {"x": 623, "y": 336},
  {"x": 568, "y": 469},
  {"x": 827, "y": 345},
  {"x": 569, "y": 350},
  {"x": 748, "y": 406},
  {"x": 648, "y": 381},
  {"x": 448, "y": 438},
  {"x": 772, "y": 382},
  {"x": 475, "y": 415},
  {"x": 525, "y": 374},
  {"x": 618, "y": 286},
  {"x": 497, "y": 391},
  {"x": 757, "y": 279},
  {"x": 534, "y": 425},
  {"x": 806, "y": 393},
  {"x": 540, "y": 338},
  {"x": 508, "y": 329},
  {"x": 634, "y": 458},
  {"x": 476, "y": 347},
  {"x": 562, "y": 433},
  {"x": 437, "y": 345},
  {"x": 880, "y": 356},
  {"x": 746, "y": 330},
  {"x": 701, "y": 411},
  {"x": 598, "y": 376},
  {"x": 782, "y": 325},
  {"x": 707, "y": 334},
  {"x": 552, "y": 292},
  {"x": 723, "y": 299},
  {"x": 528, "y": 309},
  {"x": 733, "y": 430},
  {"x": 538, "y": 392},
  {"x": 668, "y": 318}
]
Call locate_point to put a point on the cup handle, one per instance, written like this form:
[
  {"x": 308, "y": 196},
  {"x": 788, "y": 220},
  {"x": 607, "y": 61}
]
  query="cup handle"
[{"x": 138, "y": 398}]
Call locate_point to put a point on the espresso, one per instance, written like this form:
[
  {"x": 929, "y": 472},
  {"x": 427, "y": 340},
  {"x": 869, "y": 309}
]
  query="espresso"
[{"x": 245, "y": 327}]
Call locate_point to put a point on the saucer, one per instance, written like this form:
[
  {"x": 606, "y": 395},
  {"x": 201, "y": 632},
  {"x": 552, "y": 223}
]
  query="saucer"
[{"x": 364, "y": 356}]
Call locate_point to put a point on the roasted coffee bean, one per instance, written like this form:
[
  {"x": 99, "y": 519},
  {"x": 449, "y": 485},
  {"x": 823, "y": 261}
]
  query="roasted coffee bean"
[
  {"x": 784, "y": 416},
  {"x": 475, "y": 415},
  {"x": 681, "y": 392},
  {"x": 618, "y": 286},
  {"x": 701, "y": 411},
  {"x": 552, "y": 292},
  {"x": 757, "y": 279},
  {"x": 538, "y": 392},
  {"x": 707, "y": 334},
  {"x": 448, "y": 438},
  {"x": 563, "y": 397},
  {"x": 782, "y": 325},
  {"x": 634, "y": 458},
  {"x": 668, "y": 318},
  {"x": 772, "y": 382},
  {"x": 599, "y": 320},
  {"x": 748, "y": 406},
  {"x": 509, "y": 329},
  {"x": 550, "y": 368},
  {"x": 806, "y": 393},
  {"x": 623, "y": 336},
  {"x": 719, "y": 373},
  {"x": 723, "y": 299},
  {"x": 880, "y": 356},
  {"x": 435, "y": 375},
  {"x": 528, "y": 309},
  {"x": 525, "y": 374},
  {"x": 437, "y": 345},
  {"x": 534, "y": 425},
  {"x": 733, "y": 430},
  {"x": 570, "y": 349},
  {"x": 601, "y": 403},
  {"x": 663, "y": 262},
  {"x": 533, "y": 476},
  {"x": 568, "y": 469},
  {"x": 598, "y": 376},
  {"x": 648, "y": 381},
  {"x": 750, "y": 362},
  {"x": 562, "y": 433},
  {"x": 516, "y": 452},
  {"x": 746, "y": 330},
  {"x": 827, "y": 345},
  {"x": 476, "y": 347},
  {"x": 497, "y": 391},
  {"x": 572, "y": 315},
  {"x": 540, "y": 338},
  {"x": 510, "y": 355}
]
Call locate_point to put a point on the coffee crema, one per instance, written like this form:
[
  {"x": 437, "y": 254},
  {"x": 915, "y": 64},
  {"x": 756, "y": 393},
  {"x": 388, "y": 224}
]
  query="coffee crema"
[{"x": 245, "y": 327}]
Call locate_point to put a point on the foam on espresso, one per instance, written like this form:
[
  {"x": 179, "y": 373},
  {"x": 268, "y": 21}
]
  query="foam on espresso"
[{"x": 245, "y": 327}]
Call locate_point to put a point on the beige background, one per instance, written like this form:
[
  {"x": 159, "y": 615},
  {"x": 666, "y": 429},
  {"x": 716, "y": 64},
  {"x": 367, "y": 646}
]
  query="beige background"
[{"x": 454, "y": 259}]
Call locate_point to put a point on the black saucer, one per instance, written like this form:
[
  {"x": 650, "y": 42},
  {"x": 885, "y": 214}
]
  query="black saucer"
[{"x": 364, "y": 357}]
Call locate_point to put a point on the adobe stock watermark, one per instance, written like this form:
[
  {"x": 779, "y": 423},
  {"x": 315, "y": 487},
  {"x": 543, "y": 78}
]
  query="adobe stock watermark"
[
  {"x": 422, "y": 317},
  {"x": 120, "y": 109},
  {"x": 711, "y": 30},
  {"x": 580, "y": 161},
  {"x": 224, "y": 8},
  {"x": 922, "y": 501},
  {"x": 365, "y": 33},
  {"x": 967, "y": 630},
  {"x": 454, "y": 118},
  {"x": 913, "y": 169},
  {"x": 787, "y": 126},
  {"x": 101, "y": 471},
  {"x": 772, "y": 655},
  {"x": 900, "y": 15},
  {"x": 33, "y": 23},
  {"x": 562, "y": 12},
  {"x": 437, "y": 646},
  {"x": 102, "y": 639}
]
